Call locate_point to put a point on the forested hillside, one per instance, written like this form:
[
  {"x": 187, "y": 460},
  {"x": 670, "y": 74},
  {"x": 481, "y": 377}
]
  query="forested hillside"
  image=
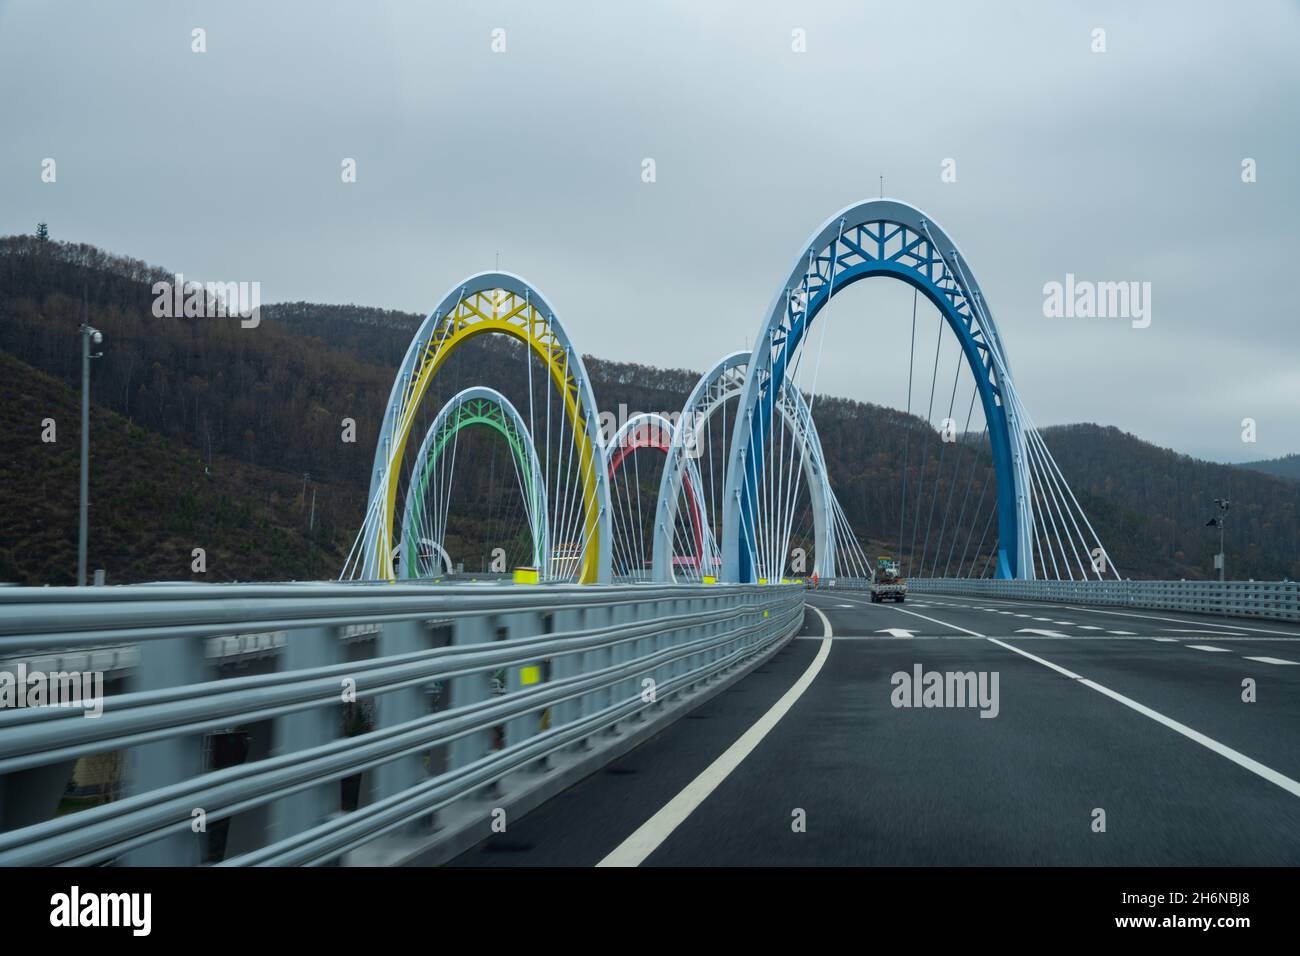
[
  {"x": 152, "y": 500},
  {"x": 1288, "y": 466},
  {"x": 218, "y": 415}
]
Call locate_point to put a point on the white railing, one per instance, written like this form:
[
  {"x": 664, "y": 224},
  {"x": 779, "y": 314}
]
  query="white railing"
[{"x": 1278, "y": 600}]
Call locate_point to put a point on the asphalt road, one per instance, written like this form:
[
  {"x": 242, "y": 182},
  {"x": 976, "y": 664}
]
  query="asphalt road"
[{"x": 1139, "y": 714}]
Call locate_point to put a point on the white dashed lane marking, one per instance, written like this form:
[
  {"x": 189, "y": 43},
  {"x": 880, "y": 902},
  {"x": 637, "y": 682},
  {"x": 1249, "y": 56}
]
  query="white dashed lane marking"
[
  {"x": 1273, "y": 660},
  {"x": 1209, "y": 647}
]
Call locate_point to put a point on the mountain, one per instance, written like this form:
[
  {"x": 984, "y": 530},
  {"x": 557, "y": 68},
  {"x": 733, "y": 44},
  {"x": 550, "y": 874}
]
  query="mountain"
[
  {"x": 1288, "y": 466},
  {"x": 230, "y": 416},
  {"x": 152, "y": 501},
  {"x": 1170, "y": 498}
]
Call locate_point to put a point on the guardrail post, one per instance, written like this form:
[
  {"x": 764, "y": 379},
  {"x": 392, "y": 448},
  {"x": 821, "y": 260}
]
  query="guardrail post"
[
  {"x": 621, "y": 653},
  {"x": 687, "y": 635},
  {"x": 717, "y": 630},
  {"x": 714, "y": 602},
  {"x": 470, "y": 689},
  {"x": 398, "y": 707},
  {"x": 175, "y": 662},
  {"x": 305, "y": 649},
  {"x": 567, "y": 621},
  {"x": 523, "y": 675},
  {"x": 596, "y": 617}
]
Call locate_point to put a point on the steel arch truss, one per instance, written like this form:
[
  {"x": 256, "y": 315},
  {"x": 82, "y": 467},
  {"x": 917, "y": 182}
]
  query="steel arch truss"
[
  {"x": 726, "y": 380},
  {"x": 886, "y": 238},
  {"x": 502, "y": 303},
  {"x": 473, "y": 406}
]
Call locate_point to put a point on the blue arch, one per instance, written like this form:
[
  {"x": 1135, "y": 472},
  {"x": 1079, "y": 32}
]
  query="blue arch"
[{"x": 918, "y": 258}]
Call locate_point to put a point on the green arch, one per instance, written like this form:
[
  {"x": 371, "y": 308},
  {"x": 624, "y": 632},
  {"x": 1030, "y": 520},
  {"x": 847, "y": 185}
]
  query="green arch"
[{"x": 483, "y": 407}]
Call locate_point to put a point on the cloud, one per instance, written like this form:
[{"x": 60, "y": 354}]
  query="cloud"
[{"x": 1114, "y": 166}]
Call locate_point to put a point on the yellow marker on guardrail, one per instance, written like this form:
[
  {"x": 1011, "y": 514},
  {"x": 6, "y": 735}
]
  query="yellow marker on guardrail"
[
  {"x": 525, "y": 575},
  {"x": 530, "y": 675},
  {"x": 710, "y": 579}
]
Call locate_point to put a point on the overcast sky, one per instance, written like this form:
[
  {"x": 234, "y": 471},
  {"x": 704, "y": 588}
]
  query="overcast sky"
[{"x": 1122, "y": 165}]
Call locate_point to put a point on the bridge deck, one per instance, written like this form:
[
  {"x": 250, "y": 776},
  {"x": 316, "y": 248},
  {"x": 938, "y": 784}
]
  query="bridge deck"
[{"x": 883, "y": 785}]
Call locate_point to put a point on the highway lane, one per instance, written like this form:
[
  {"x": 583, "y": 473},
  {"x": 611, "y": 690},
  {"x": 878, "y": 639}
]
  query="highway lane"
[
  {"x": 581, "y": 825},
  {"x": 878, "y": 784},
  {"x": 1187, "y": 667}
]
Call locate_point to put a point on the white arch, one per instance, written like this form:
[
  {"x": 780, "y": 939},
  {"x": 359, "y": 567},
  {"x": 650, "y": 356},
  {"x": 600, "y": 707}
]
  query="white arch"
[{"x": 716, "y": 386}]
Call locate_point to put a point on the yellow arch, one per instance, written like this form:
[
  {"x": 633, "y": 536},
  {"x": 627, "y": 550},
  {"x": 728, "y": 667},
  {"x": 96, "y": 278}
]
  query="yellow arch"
[{"x": 506, "y": 313}]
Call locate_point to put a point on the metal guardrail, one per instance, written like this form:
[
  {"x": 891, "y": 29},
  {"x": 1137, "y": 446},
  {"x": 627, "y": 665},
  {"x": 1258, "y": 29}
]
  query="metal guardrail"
[
  {"x": 1277, "y": 600},
  {"x": 844, "y": 583},
  {"x": 567, "y": 662}
]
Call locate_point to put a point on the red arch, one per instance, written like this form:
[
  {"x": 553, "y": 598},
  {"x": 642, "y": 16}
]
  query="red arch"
[{"x": 651, "y": 435}]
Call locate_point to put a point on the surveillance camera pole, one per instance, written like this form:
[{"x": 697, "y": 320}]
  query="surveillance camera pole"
[
  {"x": 1223, "y": 514},
  {"x": 1222, "y": 560}
]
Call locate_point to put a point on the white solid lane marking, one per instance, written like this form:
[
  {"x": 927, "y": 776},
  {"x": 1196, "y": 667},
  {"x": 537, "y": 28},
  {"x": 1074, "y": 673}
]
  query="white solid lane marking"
[
  {"x": 1254, "y": 766},
  {"x": 648, "y": 836},
  {"x": 1272, "y": 660},
  {"x": 1209, "y": 647},
  {"x": 1056, "y": 667}
]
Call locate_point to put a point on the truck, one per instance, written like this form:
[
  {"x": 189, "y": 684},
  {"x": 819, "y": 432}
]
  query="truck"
[{"x": 886, "y": 585}]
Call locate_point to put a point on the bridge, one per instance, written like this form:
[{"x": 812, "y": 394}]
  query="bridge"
[{"x": 683, "y": 663}]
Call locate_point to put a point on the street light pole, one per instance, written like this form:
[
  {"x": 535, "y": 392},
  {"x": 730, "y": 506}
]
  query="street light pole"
[{"x": 87, "y": 334}]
